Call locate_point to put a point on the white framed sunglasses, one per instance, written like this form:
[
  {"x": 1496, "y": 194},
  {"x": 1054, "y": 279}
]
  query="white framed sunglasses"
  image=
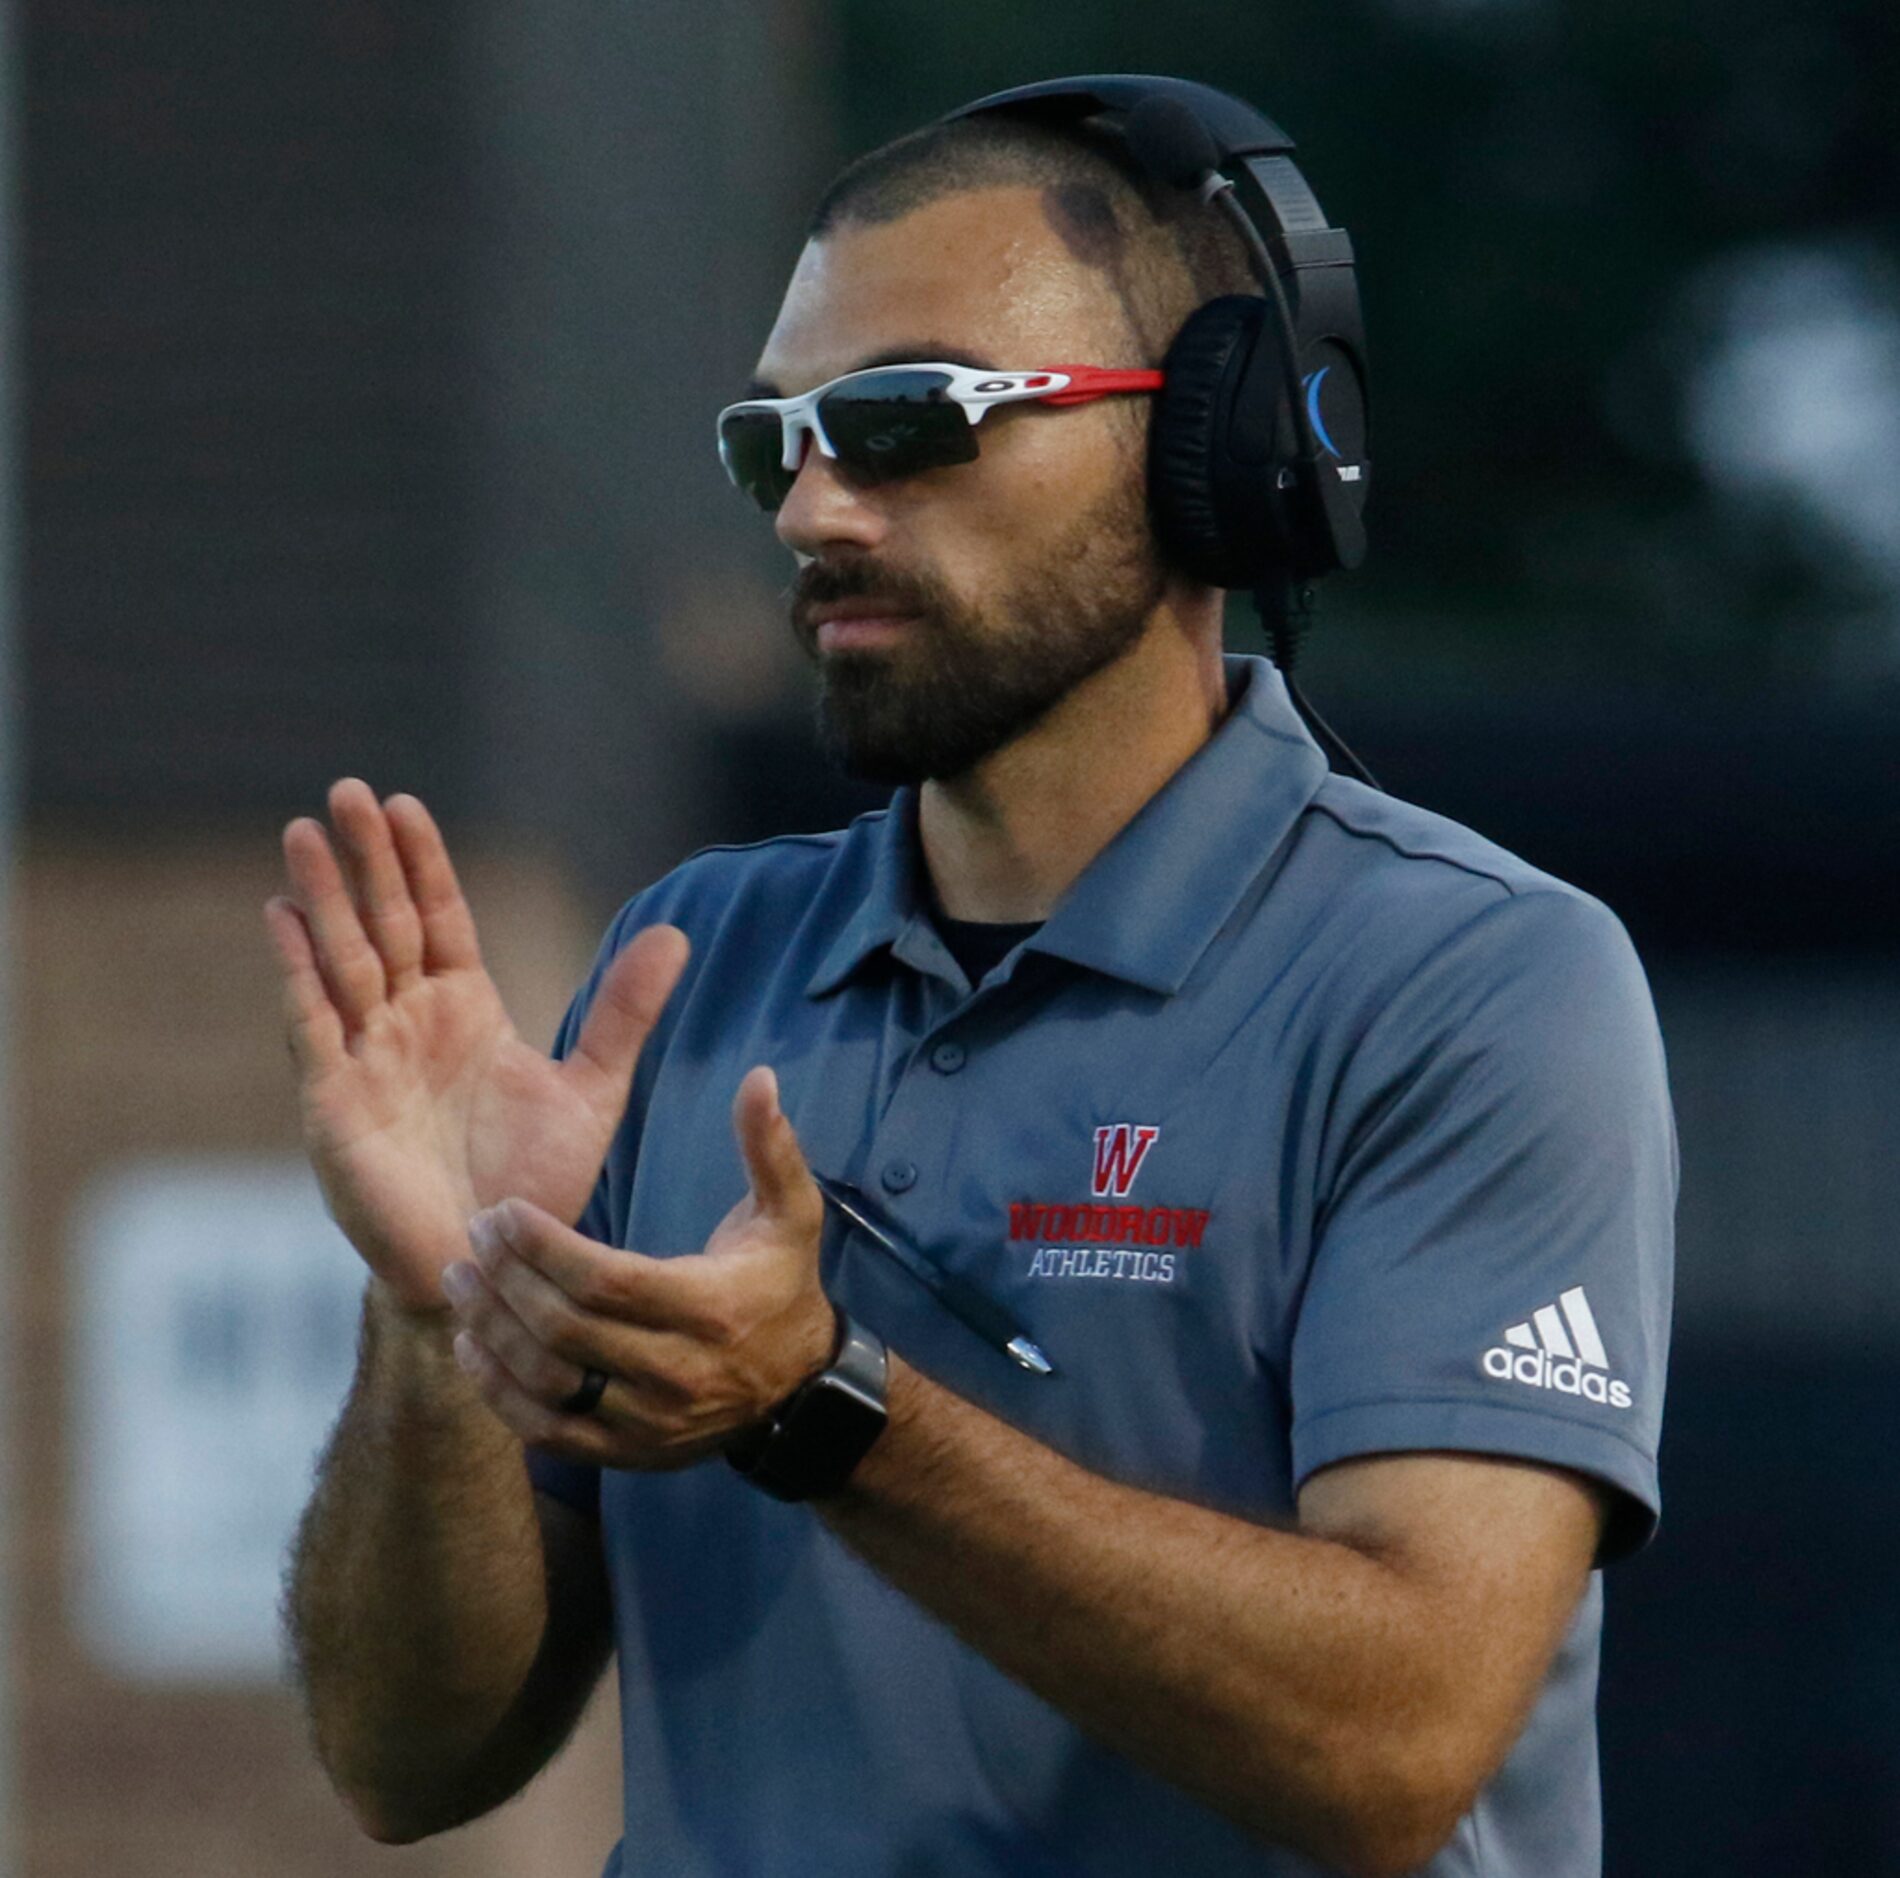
[{"x": 894, "y": 420}]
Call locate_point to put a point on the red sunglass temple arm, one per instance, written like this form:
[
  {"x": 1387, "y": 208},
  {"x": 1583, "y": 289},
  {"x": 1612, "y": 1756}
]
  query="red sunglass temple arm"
[{"x": 1099, "y": 381}]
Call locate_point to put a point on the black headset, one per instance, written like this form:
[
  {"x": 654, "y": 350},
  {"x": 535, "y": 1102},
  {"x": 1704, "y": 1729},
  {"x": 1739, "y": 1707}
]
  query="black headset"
[{"x": 1257, "y": 465}]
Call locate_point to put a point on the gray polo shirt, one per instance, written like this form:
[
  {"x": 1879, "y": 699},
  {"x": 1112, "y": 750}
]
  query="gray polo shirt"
[{"x": 1310, "y": 1125}]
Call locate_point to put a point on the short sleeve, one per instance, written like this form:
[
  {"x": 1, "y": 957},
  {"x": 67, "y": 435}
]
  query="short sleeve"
[{"x": 1494, "y": 1248}]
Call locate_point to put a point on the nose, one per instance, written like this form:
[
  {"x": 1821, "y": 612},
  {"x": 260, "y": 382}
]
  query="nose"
[{"x": 823, "y": 511}]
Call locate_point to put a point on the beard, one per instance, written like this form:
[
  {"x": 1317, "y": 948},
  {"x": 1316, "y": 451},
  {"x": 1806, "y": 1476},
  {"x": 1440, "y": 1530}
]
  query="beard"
[{"x": 968, "y": 678}]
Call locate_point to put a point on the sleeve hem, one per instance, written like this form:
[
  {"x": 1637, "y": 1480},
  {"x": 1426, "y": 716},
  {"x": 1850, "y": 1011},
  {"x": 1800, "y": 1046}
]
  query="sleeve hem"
[{"x": 1399, "y": 1426}]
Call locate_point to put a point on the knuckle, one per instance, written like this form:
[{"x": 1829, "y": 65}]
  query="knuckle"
[
  {"x": 542, "y": 1374},
  {"x": 361, "y": 973},
  {"x": 396, "y": 917},
  {"x": 600, "y": 1288},
  {"x": 555, "y": 1323},
  {"x": 719, "y": 1324},
  {"x": 704, "y": 1376},
  {"x": 667, "y": 1389}
]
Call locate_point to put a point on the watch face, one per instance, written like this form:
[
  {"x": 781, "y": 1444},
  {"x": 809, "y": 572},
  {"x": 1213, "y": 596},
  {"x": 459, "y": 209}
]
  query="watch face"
[{"x": 834, "y": 1415}]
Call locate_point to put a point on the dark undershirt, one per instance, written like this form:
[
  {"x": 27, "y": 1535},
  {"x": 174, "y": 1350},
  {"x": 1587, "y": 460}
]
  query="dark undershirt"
[{"x": 980, "y": 945}]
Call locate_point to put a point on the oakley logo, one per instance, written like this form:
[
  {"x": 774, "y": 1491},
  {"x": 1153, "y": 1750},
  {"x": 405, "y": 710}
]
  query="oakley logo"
[{"x": 1120, "y": 1149}]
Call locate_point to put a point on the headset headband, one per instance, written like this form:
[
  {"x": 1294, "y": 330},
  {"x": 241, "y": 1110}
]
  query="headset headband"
[
  {"x": 1252, "y": 147},
  {"x": 1234, "y": 125}
]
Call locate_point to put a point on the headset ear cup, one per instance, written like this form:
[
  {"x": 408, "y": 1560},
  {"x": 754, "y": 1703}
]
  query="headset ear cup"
[{"x": 1191, "y": 461}]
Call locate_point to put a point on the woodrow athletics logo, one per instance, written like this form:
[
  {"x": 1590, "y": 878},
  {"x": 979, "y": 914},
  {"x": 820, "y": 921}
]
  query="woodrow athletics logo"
[{"x": 1119, "y": 1241}]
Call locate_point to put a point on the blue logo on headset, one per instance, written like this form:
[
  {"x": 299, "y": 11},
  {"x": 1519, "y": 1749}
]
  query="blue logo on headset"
[{"x": 1312, "y": 382}]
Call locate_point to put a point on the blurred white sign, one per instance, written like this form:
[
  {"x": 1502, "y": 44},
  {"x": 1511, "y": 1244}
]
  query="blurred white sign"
[{"x": 215, "y": 1318}]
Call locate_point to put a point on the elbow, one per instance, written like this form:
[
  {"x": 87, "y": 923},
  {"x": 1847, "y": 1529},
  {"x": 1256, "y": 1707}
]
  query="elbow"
[
  {"x": 398, "y": 1805},
  {"x": 387, "y": 1828},
  {"x": 1394, "y": 1856},
  {"x": 390, "y": 1821},
  {"x": 1394, "y": 1809},
  {"x": 1393, "y": 1844},
  {"x": 401, "y": 1822}
]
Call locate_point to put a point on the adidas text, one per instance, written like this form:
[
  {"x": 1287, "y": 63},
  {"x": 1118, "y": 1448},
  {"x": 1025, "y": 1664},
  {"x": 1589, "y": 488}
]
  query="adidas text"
[{"x": 1568, "y": 1376}]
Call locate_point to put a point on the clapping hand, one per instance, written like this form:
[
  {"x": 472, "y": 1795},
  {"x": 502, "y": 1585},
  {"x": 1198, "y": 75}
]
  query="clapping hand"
[
  {"x": 693, "y": 1349},
  {"x": 421, "y": 1105}
]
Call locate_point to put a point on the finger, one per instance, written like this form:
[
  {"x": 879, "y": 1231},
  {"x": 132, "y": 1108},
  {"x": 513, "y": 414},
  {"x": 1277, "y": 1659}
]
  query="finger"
[
  {"x": 651, "y": 1362},
  {"x": 377, "y": 882},
  {"x": 627, "y": 1005},
  {"x": 774, "y": 1163},
  {"x": 603, "y": 1281},
  {"x": 548, "y": 1314},
  {"x": 351, "y": 970},
  {"x": 549, "y": 1378},
  {"x": 315, "y": 1030},
  {"x": 578, "y": 1437},
  {"x": 626, "y": 1441},
  {"x": 448, "y": 928}
]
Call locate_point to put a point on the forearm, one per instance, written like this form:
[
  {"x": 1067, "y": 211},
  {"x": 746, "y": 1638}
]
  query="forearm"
[
  {"x": 418, "y": 1601},
  {"x": 1273, "y": 1674}
]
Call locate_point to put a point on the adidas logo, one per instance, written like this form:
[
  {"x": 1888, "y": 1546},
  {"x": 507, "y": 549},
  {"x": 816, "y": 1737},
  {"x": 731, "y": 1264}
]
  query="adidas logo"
[{"x": 1562, "y": 1349}]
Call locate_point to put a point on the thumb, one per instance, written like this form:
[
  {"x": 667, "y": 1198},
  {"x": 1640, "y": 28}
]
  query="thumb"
[
  {"x": 774, "y": 1163},
  {"x": 631, "y": 995}
]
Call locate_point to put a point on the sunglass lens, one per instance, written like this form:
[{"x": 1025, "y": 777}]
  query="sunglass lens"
[
  {"x": 889, "y": 424},
  {"x": 752, "y": 447}
]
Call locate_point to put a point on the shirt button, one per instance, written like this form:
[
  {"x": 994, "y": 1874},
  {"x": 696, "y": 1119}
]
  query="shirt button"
[
  {"x": 947, "y": 1058},
  {"x": 899, "y": 1176}
]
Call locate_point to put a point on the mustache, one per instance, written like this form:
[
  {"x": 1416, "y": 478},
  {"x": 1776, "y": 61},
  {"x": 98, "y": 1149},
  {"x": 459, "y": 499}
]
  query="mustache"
[{"x": 819, "y": 583}]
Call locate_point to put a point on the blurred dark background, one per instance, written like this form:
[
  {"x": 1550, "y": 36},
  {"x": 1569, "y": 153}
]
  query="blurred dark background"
[{"x": 369, "y": 360}]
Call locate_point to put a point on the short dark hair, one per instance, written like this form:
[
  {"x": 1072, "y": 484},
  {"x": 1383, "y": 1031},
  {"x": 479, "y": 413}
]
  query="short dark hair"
[{"x": 1162, "y": 250}]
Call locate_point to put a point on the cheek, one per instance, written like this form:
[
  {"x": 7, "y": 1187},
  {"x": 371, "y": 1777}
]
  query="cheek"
[
  {"x": 978, "y": 528},
  {"x": 1045, "y": 468}
]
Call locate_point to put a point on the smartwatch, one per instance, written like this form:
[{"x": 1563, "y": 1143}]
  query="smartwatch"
[{"x": 809, "y": 1444}]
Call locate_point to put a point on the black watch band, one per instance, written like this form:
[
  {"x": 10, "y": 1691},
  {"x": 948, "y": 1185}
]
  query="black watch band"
[{"x": 809, "y": 1445}]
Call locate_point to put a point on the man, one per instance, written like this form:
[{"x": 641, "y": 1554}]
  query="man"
[{"x": 1248, "y": 1195}]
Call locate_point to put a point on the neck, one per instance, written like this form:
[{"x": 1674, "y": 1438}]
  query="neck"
[{"x": 1005, "y": 841}]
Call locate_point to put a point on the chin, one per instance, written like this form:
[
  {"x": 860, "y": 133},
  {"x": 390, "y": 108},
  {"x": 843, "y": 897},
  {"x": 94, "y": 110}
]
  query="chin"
[{"x": 889, "y": 753}]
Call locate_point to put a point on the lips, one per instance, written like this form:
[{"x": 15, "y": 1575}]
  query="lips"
[
  {"x": 849, "y": 632},
  {"x": 861, "y": 620},
  {"x": 858, "y": 606}
]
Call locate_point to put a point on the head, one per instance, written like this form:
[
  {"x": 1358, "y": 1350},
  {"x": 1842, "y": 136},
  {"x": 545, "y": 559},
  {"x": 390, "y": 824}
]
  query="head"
[{"x": 952, "y": 610}]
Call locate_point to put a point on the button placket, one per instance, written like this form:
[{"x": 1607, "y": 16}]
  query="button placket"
[{"x": 916, "y": 1112}]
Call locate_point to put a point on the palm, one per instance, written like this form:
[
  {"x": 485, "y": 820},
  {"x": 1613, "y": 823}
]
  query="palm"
[
  {"x": 438, "y": 1109},
  {"x": 420, "y": 1102}
]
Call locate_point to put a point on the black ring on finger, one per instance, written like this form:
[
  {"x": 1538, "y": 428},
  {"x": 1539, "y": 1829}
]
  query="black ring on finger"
[{"x": 586, "y": 1398}]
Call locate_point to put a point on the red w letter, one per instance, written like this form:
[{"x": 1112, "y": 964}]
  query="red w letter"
[{"x": 1120, "y": 1150}]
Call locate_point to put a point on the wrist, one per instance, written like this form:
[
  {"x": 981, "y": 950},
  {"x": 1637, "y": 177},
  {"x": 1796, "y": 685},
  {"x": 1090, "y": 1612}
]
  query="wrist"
[
  {"x": 414, "y": 1348},
  {"x": 889, "y": 1467},
  {"x": 811, "y": 1443},
  {"x": 396, "y": 1306}
]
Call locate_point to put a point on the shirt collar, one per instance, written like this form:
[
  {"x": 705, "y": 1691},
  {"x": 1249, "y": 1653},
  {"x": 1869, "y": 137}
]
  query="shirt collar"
[
  {"x": 890, "y": 911},
  {"x": 1151, "y": 902}
]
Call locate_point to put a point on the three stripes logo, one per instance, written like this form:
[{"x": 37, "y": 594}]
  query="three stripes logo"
[{"x": 1559, "y": 1348}]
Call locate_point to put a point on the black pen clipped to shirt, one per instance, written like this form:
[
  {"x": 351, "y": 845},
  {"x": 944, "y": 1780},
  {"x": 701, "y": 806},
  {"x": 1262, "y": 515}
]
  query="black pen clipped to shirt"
[{"x": 968, "y": 1303}]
